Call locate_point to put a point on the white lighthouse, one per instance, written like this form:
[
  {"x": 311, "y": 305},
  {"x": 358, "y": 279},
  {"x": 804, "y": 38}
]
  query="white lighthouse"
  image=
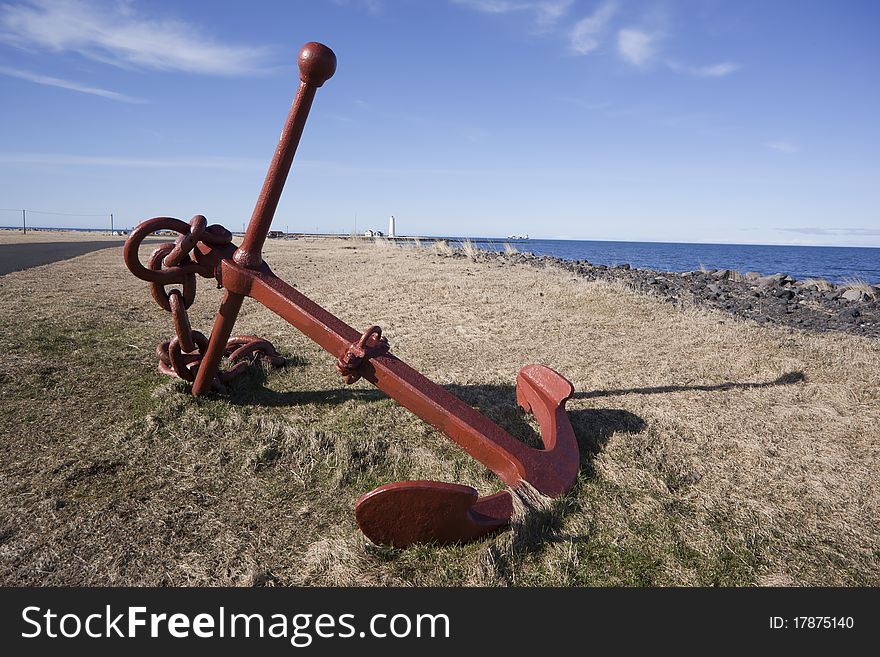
[{"x": 391, "y": 232}]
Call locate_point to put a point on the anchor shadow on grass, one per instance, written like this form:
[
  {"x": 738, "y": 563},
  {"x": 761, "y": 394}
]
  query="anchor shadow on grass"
[
  {"x": 532, "y": 534},
  {"x": 784, "y": 380},
  {"x": 592, "y": 427},
  {"x": 250, "y": 390}
]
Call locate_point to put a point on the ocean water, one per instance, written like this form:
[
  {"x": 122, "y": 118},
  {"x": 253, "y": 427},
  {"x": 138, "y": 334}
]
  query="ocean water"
[{"x": 835, "y": 263}]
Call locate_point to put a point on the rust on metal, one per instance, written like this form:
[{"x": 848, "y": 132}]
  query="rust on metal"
[
  {"x": 370, "y": 344},
  {"x": 182, "y": 355},
  {"x": 401, "y": 513}
]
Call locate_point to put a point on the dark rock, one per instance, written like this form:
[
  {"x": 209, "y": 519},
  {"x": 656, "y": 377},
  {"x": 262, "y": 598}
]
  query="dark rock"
[
  {"x": 775, "y": 299},
  {"x": 776, "y": 279}
]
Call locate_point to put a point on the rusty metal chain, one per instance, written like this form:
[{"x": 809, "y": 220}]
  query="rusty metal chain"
[{"x": 181, "y": 355}]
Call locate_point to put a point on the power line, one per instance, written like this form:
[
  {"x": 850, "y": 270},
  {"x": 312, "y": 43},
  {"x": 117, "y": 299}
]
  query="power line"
[{"x": 59, "y": 214}]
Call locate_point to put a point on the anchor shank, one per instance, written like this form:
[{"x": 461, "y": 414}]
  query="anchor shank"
[
  {"x": 317, "y": 63},
  {"x": 250, "y": 254}
]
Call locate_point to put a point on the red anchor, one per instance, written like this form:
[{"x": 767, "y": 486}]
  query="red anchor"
[{"x": 398, "y": 514}]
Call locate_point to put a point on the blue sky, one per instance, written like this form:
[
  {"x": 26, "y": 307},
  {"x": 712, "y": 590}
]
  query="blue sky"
[{"x": 695, "y": 121}]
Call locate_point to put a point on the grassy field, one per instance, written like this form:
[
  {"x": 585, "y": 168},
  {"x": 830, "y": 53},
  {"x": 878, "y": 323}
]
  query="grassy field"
[{"x": 714, "y": 452}]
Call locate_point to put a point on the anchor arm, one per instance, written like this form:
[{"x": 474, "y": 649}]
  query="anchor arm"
[{"x": 538, "y": 389}]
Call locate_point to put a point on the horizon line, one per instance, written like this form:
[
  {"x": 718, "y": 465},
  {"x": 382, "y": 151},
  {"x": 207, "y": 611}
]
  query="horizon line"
[{"x": 501, "y": 239}]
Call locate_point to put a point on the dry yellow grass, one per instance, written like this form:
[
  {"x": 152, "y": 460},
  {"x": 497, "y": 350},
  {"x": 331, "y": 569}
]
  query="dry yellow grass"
[
  {"x": 821, "y": 284},
  {"x": 714, "y": 451},
  {"x": 441, "y": 247},
  {"x": 861, "y": 285},
  {"x": 469, "y": 249}
]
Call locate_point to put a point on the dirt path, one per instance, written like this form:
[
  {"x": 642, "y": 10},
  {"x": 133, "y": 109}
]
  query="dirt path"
[{"x": 15, "y": 257}]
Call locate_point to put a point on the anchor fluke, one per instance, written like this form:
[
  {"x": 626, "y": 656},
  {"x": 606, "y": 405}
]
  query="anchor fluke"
[{"x": 410, "y": 512}]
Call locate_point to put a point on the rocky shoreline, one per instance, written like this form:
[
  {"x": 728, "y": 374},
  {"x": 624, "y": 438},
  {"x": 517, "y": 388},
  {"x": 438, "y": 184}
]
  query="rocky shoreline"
[{"x": 810, "y": 304}]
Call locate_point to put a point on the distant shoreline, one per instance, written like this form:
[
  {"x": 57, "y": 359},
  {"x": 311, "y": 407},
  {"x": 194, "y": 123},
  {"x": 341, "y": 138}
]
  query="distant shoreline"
[
  {"x": 839, "y": 264},
  {"x": 475, "y": 240}
]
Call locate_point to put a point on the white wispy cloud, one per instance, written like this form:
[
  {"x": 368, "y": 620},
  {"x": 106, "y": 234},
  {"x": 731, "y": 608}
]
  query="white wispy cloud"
[
  {"x": 67, "y": 84},
  {"x": 324, "y": 166},
  {"x": 710, "y": 71},
  {"x": 637, "y": 47},
  {"x": 119, "y": 34},
  {"x": 372, "y": 6},
  {"x": 715, "y": 70},
  {"x": 63, "y": 159},
  {"x": 782, "y": 146},
  {"x": 546, "y": 12},
  {"x": 585, "y": 36}
]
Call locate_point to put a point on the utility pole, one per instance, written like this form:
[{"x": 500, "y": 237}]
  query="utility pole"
[
  {"x": 24, "y": 222},
  {"x": 355, "y": 223},
  {"x": 111, "y": 223}
]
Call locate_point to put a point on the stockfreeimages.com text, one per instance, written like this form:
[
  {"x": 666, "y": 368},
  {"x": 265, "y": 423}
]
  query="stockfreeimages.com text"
[{"x": 300, "y": 629}]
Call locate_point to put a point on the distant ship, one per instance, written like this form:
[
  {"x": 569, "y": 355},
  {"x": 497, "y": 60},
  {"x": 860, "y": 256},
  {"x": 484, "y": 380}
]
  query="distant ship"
[{"x": 518, "y": 237}]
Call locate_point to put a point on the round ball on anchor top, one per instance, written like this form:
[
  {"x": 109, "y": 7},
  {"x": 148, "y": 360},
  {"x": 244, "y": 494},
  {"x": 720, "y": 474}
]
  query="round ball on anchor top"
[{"x": 317, "y": 63}]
